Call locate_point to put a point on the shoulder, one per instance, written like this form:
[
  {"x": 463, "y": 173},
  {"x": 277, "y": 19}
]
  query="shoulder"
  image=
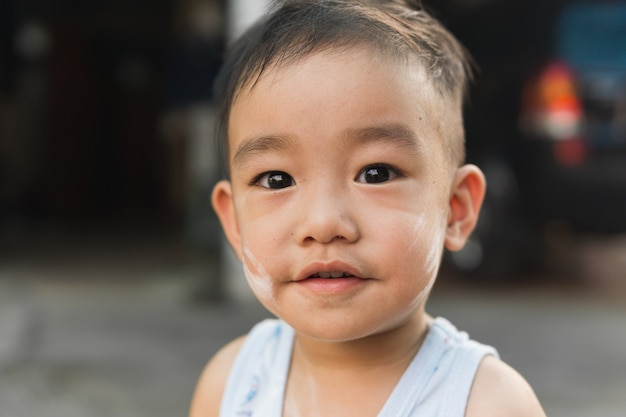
[
  {"x": 499, "y": 390},
  {"x": 210, "y": 387}
]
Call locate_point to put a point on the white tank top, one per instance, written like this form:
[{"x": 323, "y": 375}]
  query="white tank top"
[{"x": 436, "y": 383}]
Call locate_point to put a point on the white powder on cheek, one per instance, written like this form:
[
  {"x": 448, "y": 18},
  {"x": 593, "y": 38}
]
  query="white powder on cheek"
[
  {"x": 421, "y": 297},
  {"x": 257, "y": 277},
  {"x": 421, "y": 230},
  {"x": 436, "y": 233},
  {"x": 433, "y": 258},
  {"x": 417, "y": 230}
]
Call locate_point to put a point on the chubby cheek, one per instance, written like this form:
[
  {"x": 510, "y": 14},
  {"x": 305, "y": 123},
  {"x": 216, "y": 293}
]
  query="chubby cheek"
[
  {"x": 433, "y": 234},
  {"x": 257, "y": 276},
  {"x": 258, "y": 256},
  {"x": 420, "y": 239}
]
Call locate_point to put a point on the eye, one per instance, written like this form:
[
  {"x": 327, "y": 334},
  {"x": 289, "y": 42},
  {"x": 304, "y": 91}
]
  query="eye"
[
  {"x": 274, "y": 180},
  {"x": 376, "y": 174}
]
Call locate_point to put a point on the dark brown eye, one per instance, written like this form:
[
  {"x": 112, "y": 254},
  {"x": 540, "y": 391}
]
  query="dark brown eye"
[
  {"x": 376, "y": 174},
  {"x": 275, "y": 180}
]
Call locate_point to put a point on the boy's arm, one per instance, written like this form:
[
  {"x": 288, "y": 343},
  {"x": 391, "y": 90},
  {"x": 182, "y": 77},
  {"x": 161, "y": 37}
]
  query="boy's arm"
[
  {"x": 208, "y": 393},
  {"x": 500, "y": 391}
]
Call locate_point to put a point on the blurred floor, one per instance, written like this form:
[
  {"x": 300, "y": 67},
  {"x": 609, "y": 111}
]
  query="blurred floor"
[{"x": 111, "y": 325}]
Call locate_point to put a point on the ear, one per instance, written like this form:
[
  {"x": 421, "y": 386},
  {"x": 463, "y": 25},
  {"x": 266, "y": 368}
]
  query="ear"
[
  {"x": 222, "y": 199},
  {"x": 466, "y": 198}
]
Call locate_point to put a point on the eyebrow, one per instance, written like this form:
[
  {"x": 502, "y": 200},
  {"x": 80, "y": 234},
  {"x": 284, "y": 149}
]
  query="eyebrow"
[
  {"x": 259, "y": 145},
  {"x": 399, "y": 135}
]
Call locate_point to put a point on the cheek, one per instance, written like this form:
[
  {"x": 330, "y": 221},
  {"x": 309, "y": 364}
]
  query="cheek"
[
  {"x": 423, "y": 236},
  {"x": 434, "y": 246},
  {"x": 261, "y": 240},
  {"x": 257, "y": 277},
  {"x": 260, "y": 221},
  {"x": 415, "y": 231},
  {"x": 422, "y": 242}
]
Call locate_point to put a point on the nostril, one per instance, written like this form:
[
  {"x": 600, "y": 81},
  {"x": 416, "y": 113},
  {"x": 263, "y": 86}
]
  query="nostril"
[{"x": 322, "y": 226}]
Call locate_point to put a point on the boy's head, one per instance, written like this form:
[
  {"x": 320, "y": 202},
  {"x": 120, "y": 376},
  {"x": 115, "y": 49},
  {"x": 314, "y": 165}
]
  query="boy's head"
[
  {"x": 344, "y": 130},
  {"x": 398, "y": 30}
]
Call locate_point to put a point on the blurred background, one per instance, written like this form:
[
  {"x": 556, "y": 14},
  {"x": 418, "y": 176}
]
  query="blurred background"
[{"x": 116, "y": 286}]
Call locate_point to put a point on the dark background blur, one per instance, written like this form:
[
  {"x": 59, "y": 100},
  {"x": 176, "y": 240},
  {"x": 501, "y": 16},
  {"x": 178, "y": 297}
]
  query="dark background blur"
[{"x": 85, "y": 88}]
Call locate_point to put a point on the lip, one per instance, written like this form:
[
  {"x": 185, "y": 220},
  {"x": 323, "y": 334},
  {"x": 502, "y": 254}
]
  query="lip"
[
  {"x": 333, "y": 266},
  {"x": 314, "y": 284}
]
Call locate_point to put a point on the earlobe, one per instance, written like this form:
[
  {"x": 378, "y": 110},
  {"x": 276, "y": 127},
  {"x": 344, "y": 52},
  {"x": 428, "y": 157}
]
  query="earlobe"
[
  {"x": 466, "y": 197},
  {"x": 222, "y": 199}
]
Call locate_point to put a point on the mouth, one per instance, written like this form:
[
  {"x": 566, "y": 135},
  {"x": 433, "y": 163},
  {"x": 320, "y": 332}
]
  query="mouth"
[
  {"x": 329, "y": 271},
  {"x": 331, "y": 280},
  {"x": 331, "y": 274}
]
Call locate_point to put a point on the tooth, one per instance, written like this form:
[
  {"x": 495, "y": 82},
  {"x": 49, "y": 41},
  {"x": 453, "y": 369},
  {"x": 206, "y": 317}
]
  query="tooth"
[{"x": 331, "y": 274}]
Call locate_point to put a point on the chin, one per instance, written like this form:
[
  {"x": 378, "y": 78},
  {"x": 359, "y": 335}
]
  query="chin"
[{"x": 336, "y": 331}]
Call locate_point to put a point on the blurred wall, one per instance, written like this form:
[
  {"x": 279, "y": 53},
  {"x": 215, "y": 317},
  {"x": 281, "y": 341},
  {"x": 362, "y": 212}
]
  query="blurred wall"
[{"x": 84, "y": 88}]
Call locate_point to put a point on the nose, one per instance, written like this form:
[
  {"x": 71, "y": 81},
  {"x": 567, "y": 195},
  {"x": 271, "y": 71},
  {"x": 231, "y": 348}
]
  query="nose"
[{"x": 326, "y": 214}]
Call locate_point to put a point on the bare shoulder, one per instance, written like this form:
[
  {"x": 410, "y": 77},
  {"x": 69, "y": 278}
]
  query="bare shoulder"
[
  {"x": 208, "y": 393},
  {"x": 499, "y": 390}
]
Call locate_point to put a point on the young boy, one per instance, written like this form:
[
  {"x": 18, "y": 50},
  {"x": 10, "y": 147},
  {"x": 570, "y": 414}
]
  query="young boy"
[{"x": 343, "y": 136}]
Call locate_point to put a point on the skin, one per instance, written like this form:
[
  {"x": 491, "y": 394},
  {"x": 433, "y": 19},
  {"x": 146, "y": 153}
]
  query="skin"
[{"x": 338, "y": 164}]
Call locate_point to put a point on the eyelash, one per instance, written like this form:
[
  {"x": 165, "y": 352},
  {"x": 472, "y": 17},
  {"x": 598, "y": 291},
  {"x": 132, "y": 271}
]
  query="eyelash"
[{"x": 374, "y": 169}]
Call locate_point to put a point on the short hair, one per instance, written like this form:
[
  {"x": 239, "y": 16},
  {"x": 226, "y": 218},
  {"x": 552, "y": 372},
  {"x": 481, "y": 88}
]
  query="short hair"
[{"x": 294, "y": 29}]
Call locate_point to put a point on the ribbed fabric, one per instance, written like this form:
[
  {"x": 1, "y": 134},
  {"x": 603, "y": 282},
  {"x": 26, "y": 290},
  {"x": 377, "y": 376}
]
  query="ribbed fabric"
[{"x": 437, "y": 382}]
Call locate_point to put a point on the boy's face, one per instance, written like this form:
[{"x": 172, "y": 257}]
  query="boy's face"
[{"x": 341, "y": 195}]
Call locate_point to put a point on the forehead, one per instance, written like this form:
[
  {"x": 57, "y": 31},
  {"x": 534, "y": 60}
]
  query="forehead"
[
  {"x": 349, "y": 88},
  {"x": 326, "y": 56}
]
